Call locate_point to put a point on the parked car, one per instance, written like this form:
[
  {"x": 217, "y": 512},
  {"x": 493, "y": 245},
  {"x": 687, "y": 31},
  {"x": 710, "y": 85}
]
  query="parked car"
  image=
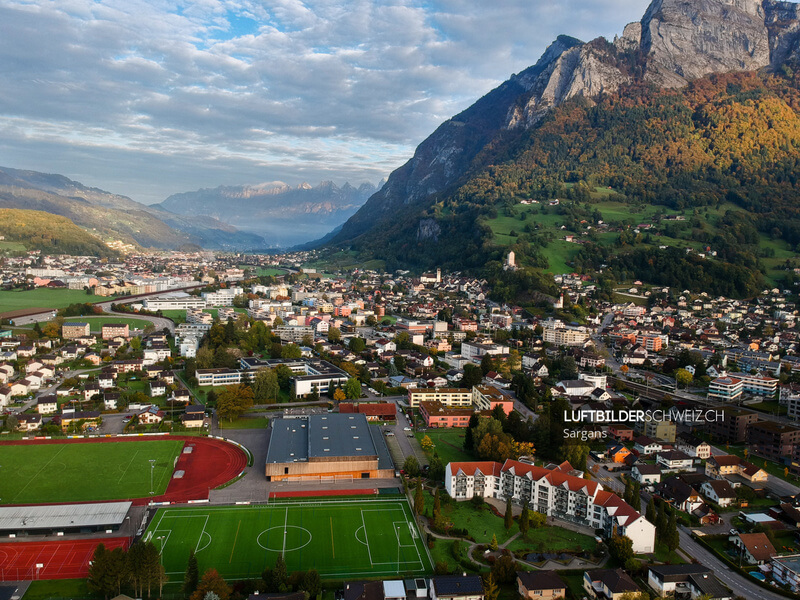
[{"x": 406, "y": 428}]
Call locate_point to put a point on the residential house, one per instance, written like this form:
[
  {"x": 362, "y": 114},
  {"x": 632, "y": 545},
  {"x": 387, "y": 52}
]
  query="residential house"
[
  {"x": 29, "y": 422},
  {"x": 724, "y": 465},
  {"x": 719, "y": 491},
  {"x": 150, "y": 416},
  {"x": 755, "y": 548},
  {"x": 609, "y": 584},
  {"x": 456, "y": 587},
  {"x": 674, "y": 460},
  {"x": 618, "y": 453},
  {"x": 158, "y": 388},
  {"x": 691, "y": 581},
  {"x": 47, "y": 404},
  {"x": 646, "y": 474},
  {"x": 540, "y": 585},
  {"x": 680, "y": 494},
  {"x": 194, "y": 416},
  {"x": 693, "y": 446},
  {"x": 645, "y": 445}
]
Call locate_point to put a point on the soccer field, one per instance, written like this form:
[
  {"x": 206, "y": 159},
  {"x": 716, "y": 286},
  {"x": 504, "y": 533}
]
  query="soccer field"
[
  {"x": 85, "y": 472},
  {"x": 339, "y": 538}
]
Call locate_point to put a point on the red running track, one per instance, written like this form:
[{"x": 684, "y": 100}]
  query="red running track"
[
  {"x": 61, "y": 560},
  {"x": 210, "y": 464}
]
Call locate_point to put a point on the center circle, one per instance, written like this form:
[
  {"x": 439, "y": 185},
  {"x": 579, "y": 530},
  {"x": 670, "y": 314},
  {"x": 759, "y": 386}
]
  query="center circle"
[{"x": 286, "y": 538}]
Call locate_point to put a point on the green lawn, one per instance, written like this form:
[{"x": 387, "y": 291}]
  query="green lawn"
[
  {"x": 58, "y": 588},
  {"x": 245, "y": 423},
  {"x": 448, "y": 442},
  {"x": 339, "y": 538},
  {"x": 554, "y": 539},
  {"x": 85, "y": 472},
  {"x": 481, "y": 522},
  {"x": 263, "y": 271},
  {"x": 96, "y": 323},
  {"x": 43, "y": 298}
]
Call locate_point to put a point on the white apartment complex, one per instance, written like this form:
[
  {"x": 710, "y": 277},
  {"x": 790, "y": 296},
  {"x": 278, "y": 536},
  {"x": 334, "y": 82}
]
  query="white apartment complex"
[
  {"x": 450, "y": 397},
  {"x": 554, "y": 493}
]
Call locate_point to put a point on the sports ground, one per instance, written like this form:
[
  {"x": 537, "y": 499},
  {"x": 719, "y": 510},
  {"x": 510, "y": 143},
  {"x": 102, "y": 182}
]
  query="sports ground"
[
  {"x": 338, "y": 538},
  {"x": 58, "y": 560},
  {"x": 115, "y": 468},
  {"x": 71, "y": 472}
]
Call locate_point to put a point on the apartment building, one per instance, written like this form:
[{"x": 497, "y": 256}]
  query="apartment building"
[
  {"x": 772, "y": 440},
  {"x": 72, "y": 330},
  {"x": 488, "y": 398},
  {"x": 451, "y": 397},
  {"x": 476, "y": 349},
  {"x": 733, "y": 428},
  {"x": 760, "y": 384},
  {"x": 563, "y": 336},
  {"x": 552, "y": 492},
  {"x": 725, "y": 389},
  {"x": 435, "y": 414}
]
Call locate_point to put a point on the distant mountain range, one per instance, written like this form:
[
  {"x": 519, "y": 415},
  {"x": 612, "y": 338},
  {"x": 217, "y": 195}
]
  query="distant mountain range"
[
  {"x": 270, "y": 215},
  {"x": 283, "y": 215}
]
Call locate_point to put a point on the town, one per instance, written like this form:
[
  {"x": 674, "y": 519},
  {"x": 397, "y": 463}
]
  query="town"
[{"x": 586, "y": 446}]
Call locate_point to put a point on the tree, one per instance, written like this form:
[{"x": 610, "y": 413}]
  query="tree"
[
  {"x": 436, "y": 469},
  {"x": 427, "y": 443},
  {"x": 662, "y": 520},
  {"x": 136, "y": 567},
  {"x": 352, "y": 389},
  {"x": 651, "y": 514},
  {"x": 419, "y": 498},
  {"x": 291, "y": 352},
  {"x": 357, "y": 345},
  {"x": 233, "y": 401},
  {"x": 538, "y": 520},
  {"x": 504, "y": 569},
  {"x": 280, "y": 576},
  {"x": 192, "y": 576},
  {"x": 312, "y": 583},
  {"x": 490, "y": 588},
  {"x": 265, "y": 386},
  {"x": 683, "y": 377},
  {"x": 334, "y": 335},
  {"x": 508, "y": 519},
  {"x": 473, "y": 375},
  {"x": 211, "y": 583},
  {"x": 100, "y": 579},
  {"x": 493, "y": 544},
  {"x": 620, "y": 547},
  {"x": 524, "y": 520},
  {"x": 411, "y": 466},
  {"x": 671, "y": 536},
  {"x": 339, "y": 395}
]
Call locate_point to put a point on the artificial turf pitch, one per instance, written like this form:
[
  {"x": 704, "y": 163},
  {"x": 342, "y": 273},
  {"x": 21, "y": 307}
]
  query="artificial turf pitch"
[
  {"x": 84, "y": 472},
  {"x": 338, "y": 538}
]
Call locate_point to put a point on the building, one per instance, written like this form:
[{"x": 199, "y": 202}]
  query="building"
[
  {"x": 475, "y": 350},
  {"x": 174, "y": 303},
  {"x": 456, "y": 587},
  {"x": 435, "y": 414},
  {"x": 540, "y": 585},
  {"x": 772, "y": 440},
  {"x": 293, "y": 333},
  {"x": 674, "y": 460},
  {"x": 660, "y": 430},
  {"x": 488, "y": 398},
  {"x": 733, "y": 428},
  {"x": 47, "y": 404},
  {"x": 686, "y": 581},
  {"x": 755, "y": 548},
  {"x": 111, "y": 330},
  {"x": 563, "y": 336},
  {"x": 723, "y": 466},
  {"x": 725, "y": 389},
  {"x": 609, "y": 584},
  {"x": 646, "y": 474},
  {"x": 553, "y": 492},
  {"x": 786, "y": 571},
  {"x": 450, "y": 397},
  {"x": 194, "y": 416},
  {"x": 73, "y": 330},
  {"x": 328, "y": 447},
  {"x": 218, "y": 377},
  {"x": 759, "y": 384},
  {"x": 693, "y": 446},
  {"x": 718, "y": 491},
  {"x": 374, "y": 411}
]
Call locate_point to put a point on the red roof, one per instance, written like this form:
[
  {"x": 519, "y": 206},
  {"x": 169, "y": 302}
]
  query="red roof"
[
  {"x": 555, "y": 478},
  {"x": 470, "y": 468},
  {"x": 617, "y": 507}
]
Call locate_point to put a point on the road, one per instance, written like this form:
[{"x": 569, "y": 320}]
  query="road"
[{"x": 740, "y": 585}]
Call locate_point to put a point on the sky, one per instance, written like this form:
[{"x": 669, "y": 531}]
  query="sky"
[{"x": 150, "y": 98}]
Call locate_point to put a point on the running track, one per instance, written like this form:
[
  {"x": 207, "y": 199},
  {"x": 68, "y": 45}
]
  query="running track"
[
  {"x": 210, "y": 464},
  {"x": 61, "y": 560}
]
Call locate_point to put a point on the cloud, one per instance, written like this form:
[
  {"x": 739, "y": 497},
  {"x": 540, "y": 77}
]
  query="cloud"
[{"x": 284, "y": 89}]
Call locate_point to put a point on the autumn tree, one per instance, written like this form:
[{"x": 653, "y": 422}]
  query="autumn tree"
[
  {"x": 265, "y": 386},
  {"x": 234, "y": 401},
  {"x": 211, "y": 582}
]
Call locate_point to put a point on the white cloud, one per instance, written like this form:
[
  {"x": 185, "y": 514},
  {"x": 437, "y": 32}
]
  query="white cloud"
[{"x": 203, "y": 92}]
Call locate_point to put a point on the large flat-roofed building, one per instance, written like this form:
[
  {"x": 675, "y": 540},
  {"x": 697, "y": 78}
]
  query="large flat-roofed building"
[
  {"x": 331, "y": 447},
  {"x": 182, "y": 302},
  {"x": 62, "y": 518},
  {"x": 451, "y": 397},
  {"x": 309, "y": 374}
]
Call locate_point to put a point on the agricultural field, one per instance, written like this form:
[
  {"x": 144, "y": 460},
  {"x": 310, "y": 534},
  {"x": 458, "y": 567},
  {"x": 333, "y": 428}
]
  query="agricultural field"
[
  {"x": 43, "y": 298},
  {"x": 339, "y": 538},
  {"x": 85, "y": 472}
]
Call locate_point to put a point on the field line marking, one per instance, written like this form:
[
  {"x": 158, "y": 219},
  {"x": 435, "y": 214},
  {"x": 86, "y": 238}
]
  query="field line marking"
[
  {"x": 128, "y": 467},
  {"x": 366, "y": 538},
  {"x": 234, "y": 542},
  {"x": 40, "y": 470},
  {"x": 199, "y": 539},
  {"x": 333, "y": 549},
  {"x": 285, "y": 523}
]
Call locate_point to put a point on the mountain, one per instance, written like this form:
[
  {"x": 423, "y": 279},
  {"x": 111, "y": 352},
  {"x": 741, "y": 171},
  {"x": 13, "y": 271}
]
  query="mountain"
[
  {"x": 111, "y": 216},
  {"x": 282, "y": 214},
  {"x": 651, "y": 115},
  {"x": 37, "y": 230}
]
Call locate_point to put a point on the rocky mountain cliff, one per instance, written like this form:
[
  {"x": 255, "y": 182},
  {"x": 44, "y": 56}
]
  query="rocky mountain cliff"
[
  {"x": 282, "y": 214},
  {"x": 676, "y": 41}
]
